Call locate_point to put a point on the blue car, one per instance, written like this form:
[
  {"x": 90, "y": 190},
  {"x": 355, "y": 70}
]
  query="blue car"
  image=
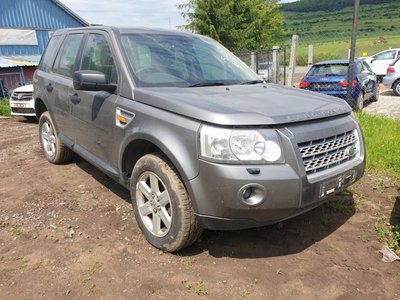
[{"x": 330, "y": 78}]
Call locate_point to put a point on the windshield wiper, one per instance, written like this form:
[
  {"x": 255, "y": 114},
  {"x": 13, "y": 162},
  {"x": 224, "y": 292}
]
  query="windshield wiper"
[
  {"x": 199, "y": 84},
  {"x": 252, "y": 82}
]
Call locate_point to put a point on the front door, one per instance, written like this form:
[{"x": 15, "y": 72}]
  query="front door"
[{"x": 94, "y": 112}]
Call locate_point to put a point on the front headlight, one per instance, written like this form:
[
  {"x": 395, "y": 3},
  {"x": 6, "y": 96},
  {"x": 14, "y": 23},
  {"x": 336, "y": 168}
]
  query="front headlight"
[{"x": 238, "y": 145}]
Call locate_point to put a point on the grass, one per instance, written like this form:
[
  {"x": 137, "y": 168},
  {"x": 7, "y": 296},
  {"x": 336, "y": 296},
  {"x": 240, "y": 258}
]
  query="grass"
[
  {"x": 5, "y": 107},
  {"x": 388, "y": 234},
  {"x": 88, "y": 276},
  {"x": 382, "y": 139}
]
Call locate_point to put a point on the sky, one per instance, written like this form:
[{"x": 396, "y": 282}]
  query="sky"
[{"x": 132, "y": 13}]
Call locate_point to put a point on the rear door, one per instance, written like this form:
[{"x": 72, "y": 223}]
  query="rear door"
[{"x": 93, "y": 113}]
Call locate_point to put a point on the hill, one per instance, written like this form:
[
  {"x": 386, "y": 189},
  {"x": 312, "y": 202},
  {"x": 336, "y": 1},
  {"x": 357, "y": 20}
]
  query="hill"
[
  {"x": 327, "y": 5},
  {"x": 329, "y": 30}
]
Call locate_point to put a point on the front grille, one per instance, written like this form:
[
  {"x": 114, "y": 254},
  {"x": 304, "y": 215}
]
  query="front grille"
[
  {"x": 20, "y": 110},
  {"x": 21, "y": 96},
  {"x": 322, "y": 154}
]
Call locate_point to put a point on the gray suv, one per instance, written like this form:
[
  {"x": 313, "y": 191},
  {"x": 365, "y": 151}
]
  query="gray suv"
[{"x": 195, "y": 135}]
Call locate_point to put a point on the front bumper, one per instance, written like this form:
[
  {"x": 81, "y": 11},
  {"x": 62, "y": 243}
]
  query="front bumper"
[
  {"x": 22, "y": 108},
  {"x": 220, "y": 205}
]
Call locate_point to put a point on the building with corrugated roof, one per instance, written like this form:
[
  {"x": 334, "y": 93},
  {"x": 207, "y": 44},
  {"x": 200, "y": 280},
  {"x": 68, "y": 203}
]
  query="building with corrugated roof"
[{"x": 25, "y": 28}]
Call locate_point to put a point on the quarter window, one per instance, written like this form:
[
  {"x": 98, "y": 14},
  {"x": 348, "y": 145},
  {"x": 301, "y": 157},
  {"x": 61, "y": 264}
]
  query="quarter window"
[
  {"x": 97, "y": 57},
  {"x": 65, "y": 62}
]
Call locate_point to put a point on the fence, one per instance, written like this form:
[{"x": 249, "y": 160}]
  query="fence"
[
  {"x": 270, "y": 64},
  {"x": 11, "y": 80}
]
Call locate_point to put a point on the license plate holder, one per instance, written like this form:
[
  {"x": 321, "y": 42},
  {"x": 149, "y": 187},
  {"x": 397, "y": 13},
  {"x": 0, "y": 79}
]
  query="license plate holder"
[
  {"x": 20, "y": 105},
  {"x": 336, "y": 184}
]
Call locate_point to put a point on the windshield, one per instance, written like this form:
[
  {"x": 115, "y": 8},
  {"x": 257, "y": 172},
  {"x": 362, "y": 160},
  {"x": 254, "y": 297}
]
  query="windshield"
[{"x": 184, "y": 61}]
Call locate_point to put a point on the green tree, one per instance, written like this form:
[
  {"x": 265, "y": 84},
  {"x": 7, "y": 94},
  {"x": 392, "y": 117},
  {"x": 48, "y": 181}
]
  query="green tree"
[{"x": 237, "y": 24}]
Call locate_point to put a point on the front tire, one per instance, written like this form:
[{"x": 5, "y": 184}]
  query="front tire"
[
  {"x": 54, "y": 150},
  {"x": 162, "y": 205}
]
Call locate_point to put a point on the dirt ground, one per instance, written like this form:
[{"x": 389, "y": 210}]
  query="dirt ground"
[{"x": 68, "y": 232}]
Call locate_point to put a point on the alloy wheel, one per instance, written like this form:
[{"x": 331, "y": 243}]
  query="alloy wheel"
[{"x": 154, "y": 204}]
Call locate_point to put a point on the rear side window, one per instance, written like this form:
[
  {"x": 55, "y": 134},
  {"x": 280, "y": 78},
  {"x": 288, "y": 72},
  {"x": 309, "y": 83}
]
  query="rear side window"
[
  {"x": 66, "y": 58},
  {"x": 47, "y": 58},
  {"x": 97, "y": 57}
]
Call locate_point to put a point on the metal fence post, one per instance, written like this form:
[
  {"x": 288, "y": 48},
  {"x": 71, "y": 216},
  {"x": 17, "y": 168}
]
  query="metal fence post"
[
  {"x": 22, "y": 76},
  {"x": 284, "y": 65},
  {"x": 350, "y": 73},
  {"x": 292, "y": 62},
  {"x": 254, "y": 61},
  {"x": 275, "y": 64},
  {"x": 2, "y": 92}
]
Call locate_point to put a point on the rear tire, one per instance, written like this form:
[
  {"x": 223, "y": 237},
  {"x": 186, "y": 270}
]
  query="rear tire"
[
  {"x": 54, "y": 150},
  {"x": 396, "y": 88},
  {"x": 162, "y": 205}
]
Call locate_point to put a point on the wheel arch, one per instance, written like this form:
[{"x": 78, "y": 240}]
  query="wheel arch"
[
  {"x": 395, "y": 82},
  {"x": 40, "y": 107},
  {"x": 146, "y": 144}
]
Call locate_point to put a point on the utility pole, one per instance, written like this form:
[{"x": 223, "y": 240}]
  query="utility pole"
[{"x": 350, "y": 73}]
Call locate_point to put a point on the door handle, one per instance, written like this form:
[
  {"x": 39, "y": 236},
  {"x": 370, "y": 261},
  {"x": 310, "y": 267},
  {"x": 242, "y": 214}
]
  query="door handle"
[
  {"x": 49, "y": 87},
  {"x": 75, "y": 99}
]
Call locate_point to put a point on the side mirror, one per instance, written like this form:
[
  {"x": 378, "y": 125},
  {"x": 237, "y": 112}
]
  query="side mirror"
[
  {"x": 87, "y": 80},
  {"x": 372, "y": 60}
]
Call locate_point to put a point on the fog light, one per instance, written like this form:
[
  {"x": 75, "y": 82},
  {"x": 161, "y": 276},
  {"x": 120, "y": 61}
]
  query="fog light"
[{"x": 252, "y": 194}]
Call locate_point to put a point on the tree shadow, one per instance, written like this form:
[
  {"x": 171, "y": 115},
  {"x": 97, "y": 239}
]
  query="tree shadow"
[{"x": 285, "y": 238}]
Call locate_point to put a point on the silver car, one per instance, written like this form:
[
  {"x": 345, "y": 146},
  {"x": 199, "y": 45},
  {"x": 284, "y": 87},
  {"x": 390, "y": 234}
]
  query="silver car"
[{"x": 392, "y": 78}]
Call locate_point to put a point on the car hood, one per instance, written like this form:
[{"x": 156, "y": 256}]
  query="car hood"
[
  {"x": 243, "y": 105},
  {"x": 25, "y": 88}
]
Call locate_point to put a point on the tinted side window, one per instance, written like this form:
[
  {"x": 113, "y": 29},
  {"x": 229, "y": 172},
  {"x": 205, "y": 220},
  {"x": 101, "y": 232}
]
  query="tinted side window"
[
  {"x": 52, "y": 47},
  {"x": 66, "y": 58},
  {"x": 97, "y": 57}
]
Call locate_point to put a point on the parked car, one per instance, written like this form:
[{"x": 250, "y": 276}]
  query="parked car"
[
  {"x": 265, "y": 70},
  {"x": 380, "y": 61},
  {"x": 194, "y": 134},
  {"x": 330, "y": 78},
  {"x": 21, "y": 101},
  {"x": 392, "y": 79}
]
